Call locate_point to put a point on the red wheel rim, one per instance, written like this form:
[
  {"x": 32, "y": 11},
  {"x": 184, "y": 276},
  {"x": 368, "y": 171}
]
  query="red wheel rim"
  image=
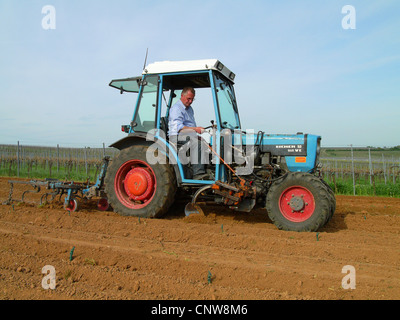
[
  {"x": 135, "y": 184},
  {"x": 103, "y": 204},
  {"x": 71, "y": 206},
  {"x": 297, "y": 204}
]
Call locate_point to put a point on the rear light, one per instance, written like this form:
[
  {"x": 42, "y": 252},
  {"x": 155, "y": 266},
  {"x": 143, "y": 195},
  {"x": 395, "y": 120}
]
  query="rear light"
[{"x": 125, "y": 128}]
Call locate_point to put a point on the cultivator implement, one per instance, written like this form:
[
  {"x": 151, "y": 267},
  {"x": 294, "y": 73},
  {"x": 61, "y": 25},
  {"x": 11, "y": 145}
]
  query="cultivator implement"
[{"x": 72, "y": 191}]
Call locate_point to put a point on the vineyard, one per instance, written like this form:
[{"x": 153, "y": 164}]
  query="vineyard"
[
  {"x": 78, "y": 164},
  {"x": 362, "y": 171}
]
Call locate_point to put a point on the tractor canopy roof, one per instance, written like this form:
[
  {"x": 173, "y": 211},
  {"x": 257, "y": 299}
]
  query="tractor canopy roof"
[
  {"x": 180, "y": 74},
  {"x": 164, "y": 67}
]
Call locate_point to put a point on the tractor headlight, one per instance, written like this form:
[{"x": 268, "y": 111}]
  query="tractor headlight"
[{"x": 220, "y": 66}]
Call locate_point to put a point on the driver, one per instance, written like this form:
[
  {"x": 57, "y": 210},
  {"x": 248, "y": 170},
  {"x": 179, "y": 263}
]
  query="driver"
[{"x": 182, "y": 121}]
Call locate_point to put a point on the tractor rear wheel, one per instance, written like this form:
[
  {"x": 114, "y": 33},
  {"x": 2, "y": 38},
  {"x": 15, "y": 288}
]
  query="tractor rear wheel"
[
  {"x": 299, "y": 202},
  {"x": 135, "y": 187}
]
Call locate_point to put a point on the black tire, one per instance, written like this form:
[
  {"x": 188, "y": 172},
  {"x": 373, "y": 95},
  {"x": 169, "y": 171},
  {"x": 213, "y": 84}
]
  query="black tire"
[
  {"x": 154, "y": 200},
  {"x": 299, "y": 202},
  {"x": 332, "y": 198}
]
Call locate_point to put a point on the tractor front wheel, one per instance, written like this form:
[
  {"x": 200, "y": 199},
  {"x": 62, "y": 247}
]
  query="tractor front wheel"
[
  {"x": 135, "y": 187},
  {"x": 299, "y": 202}
]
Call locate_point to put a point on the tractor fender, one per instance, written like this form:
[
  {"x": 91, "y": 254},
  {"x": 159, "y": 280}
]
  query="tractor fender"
[
  {"x": 130, "y": 140},
  {"x": 142, "y": 138}
]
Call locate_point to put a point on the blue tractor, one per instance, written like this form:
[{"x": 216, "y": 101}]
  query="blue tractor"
[{"x": 247, "y": 169}]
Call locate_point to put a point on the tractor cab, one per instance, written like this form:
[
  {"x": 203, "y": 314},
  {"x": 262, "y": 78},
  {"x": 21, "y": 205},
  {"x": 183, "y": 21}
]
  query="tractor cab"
[{"x": 160, "y": 87}]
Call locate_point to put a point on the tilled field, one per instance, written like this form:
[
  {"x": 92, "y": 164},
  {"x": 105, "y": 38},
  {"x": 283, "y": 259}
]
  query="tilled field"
[{"x": 219, "y": 255}]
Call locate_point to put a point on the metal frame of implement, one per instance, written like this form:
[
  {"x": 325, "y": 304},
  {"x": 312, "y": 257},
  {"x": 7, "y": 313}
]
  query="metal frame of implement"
[{"x": 59, "y": 188}]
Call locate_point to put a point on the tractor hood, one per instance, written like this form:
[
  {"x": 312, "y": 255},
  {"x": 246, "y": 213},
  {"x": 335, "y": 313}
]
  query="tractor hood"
[{"x": 301, "y": 151}]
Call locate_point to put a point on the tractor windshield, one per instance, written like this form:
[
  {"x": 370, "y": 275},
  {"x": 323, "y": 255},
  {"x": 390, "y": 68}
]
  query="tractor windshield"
[
  {"x": 228, "y": 111},
  {"x": 145, "y": 115}
]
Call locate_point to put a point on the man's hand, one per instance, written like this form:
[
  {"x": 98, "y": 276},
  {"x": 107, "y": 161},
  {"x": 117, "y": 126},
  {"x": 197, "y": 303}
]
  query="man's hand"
[{"x": 199, "y": 130}]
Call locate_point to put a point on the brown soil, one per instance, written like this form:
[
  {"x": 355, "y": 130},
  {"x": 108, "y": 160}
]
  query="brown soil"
[{"x": 217, "y": 255}]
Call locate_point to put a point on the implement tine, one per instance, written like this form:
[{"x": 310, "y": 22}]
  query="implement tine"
[
  {"x": 52, "y": 194},
  {"x": 9, "y": 200},
  {"x": 36, "y": 189}
]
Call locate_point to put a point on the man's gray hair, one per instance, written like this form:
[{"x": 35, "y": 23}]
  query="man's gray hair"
[{"x": 186, "y": 89}]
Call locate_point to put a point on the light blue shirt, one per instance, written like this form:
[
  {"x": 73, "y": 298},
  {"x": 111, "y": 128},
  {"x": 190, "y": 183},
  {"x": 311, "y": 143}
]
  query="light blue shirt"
[{"x": 179, "y": 117}]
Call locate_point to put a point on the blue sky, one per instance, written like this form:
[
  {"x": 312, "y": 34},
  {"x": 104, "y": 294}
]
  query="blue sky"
[{"x": 297, "y": 69}]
